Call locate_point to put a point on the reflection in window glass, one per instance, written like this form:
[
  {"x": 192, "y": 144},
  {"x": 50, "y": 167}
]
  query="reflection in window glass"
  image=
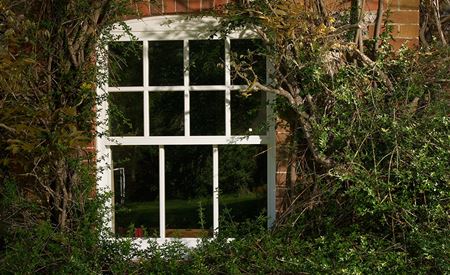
[
  {"x": 166, "y": 113},
  {"x": 136, "y": 190},
  {"x": 248, "y": 113},
  {"x": 126, "y": 114},
  {"x": 189, "y": 190},
  {"x": 245, "y": 52},
  {"x": 165, "y": 63},
  {"x": 207, "y": 113},
  {"x": 242, "y": 183},
  {"x": 206, "y": 66},
  {"x": 125, "y": 64}
]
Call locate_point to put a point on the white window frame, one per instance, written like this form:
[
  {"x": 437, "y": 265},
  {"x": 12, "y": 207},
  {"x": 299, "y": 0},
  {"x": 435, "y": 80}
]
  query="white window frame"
[{"x": 166, "y": 28}]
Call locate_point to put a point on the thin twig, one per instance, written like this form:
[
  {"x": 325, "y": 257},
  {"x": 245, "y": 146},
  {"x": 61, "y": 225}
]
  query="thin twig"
[{"x": 435, "y": 6}]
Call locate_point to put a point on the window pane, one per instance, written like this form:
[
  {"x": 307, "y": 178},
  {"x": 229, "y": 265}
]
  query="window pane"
[
  {"x": 207, "y": 110},
  {"x": 165, "y": 63},
  {"x": 242, "y": 184},
  {"x": 136, "y": 190},
  {"x": 189, "y": 191},
  {"x": 125, "y": 64},
  {"x": 248, "y": 113},
  {"x": 166, "y": 113},
  {"x": 126, "y": 114},
  {"x": 245, "y": 52},
  {"x": 206, "y": 66}
]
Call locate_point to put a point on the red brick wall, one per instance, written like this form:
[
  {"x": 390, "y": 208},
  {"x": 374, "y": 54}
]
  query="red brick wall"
[
  {"x": 404, "y": 18},
  {"x": 404, "y": 14},
  {"x": 286, "y": 163},
  {"x": 158, "y": 7}
]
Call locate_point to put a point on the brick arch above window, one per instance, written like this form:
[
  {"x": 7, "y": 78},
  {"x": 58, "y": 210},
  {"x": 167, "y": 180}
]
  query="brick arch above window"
[{"x": 163, "y": 7}]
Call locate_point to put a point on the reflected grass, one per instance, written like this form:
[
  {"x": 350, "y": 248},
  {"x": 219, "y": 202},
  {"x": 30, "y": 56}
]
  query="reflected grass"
[{"x": 186, "y": 214}]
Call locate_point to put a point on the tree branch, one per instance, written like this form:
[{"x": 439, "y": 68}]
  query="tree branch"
[
  {"x": 435, "y": 6},
  {"x": 4, "y": 126},
  {"x": 378, "y": 23},
  {"x": 278, "y": 91},
  {"x": 365, "y": 59}
]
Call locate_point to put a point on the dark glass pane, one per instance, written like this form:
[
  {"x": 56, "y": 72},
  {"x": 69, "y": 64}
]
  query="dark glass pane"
[
  {"x": 125, "y": 64},
  {"x": 136, "y": 190},
  {"x": 248, "y": 113},
  {"x": 126, "y": 114},
  {"x": 242, "y": 185},
  {"x": 245, "y": 52},
  {"x": 207, "y": 109},
  {"x": 165, "y": 63},
  {"x": 206, "y": 66},
  {"x": 189, "y": 206},
  {"x": 166, "y": 113}
]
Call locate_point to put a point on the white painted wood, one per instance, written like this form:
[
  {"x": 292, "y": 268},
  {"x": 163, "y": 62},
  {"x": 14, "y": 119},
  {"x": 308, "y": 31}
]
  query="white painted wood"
[
  {"x": 164, "y": 88},
  {"x": 176, "y": 27},
  {"x": 162, "y": 192},
  {"x": 108, "y": 177},
  {"x": 228, "y": 112},
  {"x": 192, "y": 140},
  {"x": 227, "y": 91},
  {"x": 187, "y": 119},
  {"x": 220, "y": 88},
  {"x": 145, "y": 97},
  {"x": 125, "y": 89},
  {"x": 146, "y": 115},
  {"x": 215, "y": 189}
]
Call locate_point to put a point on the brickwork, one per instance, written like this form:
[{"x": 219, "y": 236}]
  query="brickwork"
[
  {"x": 404, "y": 18},
  {"x": 159, "y": 7},
  {"x": 286, "y": 160}
]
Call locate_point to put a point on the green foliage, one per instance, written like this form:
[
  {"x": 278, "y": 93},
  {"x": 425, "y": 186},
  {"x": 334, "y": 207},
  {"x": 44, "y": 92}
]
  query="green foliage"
[
  {"x": 49, "y": 221},
  {"x": 371, "y": 137}
]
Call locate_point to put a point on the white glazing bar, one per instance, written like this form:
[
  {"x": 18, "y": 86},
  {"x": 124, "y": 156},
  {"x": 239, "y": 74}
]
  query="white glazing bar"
[
  {"x": 215, "y": 189},
  {"x": 126, "y": 89},
  {"x": 227, "y": 112},
  {"x": 162, "y": 193},
  {"x": 165, "y": 88},
  {"x": 227, "y": 61},
  {"x": 238, "y": 87},
  {"x": 227, "y": 91},
  {"x": 207, "y": 88},
  {"x": 187, "y": 125},
  {"x": 175, "y": 88},
  {"x": 146, "y": 115},
  {"x": 192, "y": 140},
  {"x": 111, "y": 203},
  {"x": 145, "y": 77}
]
